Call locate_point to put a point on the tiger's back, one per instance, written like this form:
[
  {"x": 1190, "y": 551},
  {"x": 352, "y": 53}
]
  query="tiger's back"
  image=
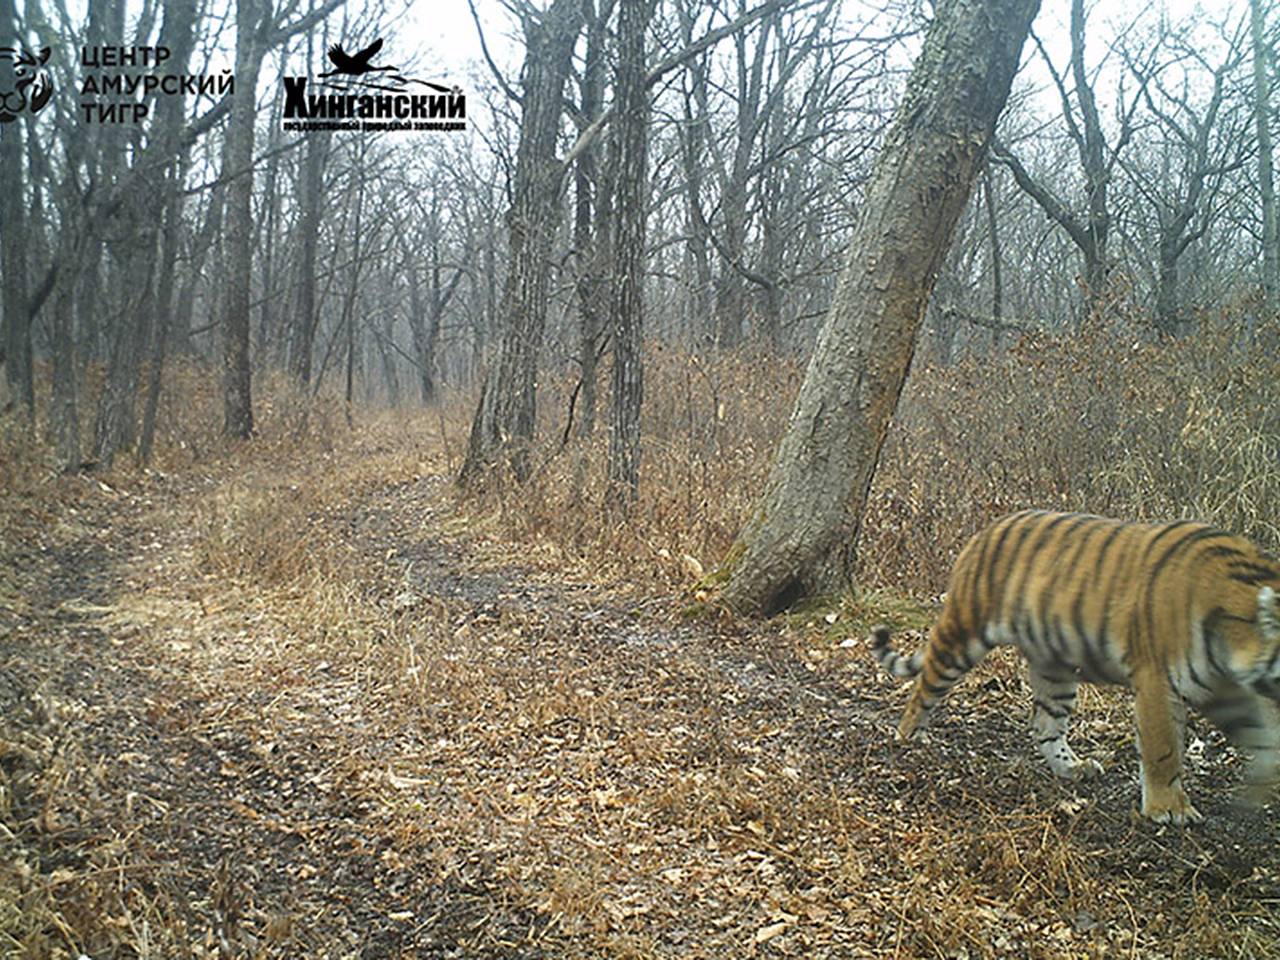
[{"x": 1181, "y": 612}]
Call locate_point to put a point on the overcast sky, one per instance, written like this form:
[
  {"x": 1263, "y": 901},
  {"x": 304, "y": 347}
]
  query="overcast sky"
[{"x": 445, "y": 31}]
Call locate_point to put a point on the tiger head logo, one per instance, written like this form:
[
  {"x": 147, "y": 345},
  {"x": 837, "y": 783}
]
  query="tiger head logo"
[{"x": 24, "y": 83}]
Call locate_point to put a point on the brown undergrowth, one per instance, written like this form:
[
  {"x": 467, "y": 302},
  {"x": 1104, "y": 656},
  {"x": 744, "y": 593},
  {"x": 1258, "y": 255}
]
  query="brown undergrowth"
[
  {"x": 406, "y": 740},
  {"x": 295, "y": 699},
  {"x": 1115, "y": 425}
]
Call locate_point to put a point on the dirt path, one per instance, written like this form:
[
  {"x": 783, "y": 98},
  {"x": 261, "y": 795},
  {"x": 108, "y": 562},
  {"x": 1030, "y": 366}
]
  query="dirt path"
[{"x": 451, "y": 751}]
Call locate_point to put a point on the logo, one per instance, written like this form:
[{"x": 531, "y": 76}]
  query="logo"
[
  {"x": 357, "y": 65},
  {"x": 358, "y": 94},
  {"x": 24, "y": 83},
  {"x": 111, "y": 94}
]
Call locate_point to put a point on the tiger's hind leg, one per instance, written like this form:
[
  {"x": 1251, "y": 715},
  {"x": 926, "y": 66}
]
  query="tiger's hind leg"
[
  {"x": 1055, "y": 700},
  {"x": 1251, "y": 724},
  {"x": 949, "y": 655},
  {"x": 1161, "y": 717}
]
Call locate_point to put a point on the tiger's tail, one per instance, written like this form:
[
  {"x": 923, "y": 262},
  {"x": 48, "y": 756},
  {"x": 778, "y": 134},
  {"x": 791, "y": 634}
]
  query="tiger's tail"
[{"x": 894, "y": 662}]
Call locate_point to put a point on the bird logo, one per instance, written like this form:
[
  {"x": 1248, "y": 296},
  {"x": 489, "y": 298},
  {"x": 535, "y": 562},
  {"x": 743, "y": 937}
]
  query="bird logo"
[
  {"x": 353, "y": 70},
  {"x": 355, "y": 64}
]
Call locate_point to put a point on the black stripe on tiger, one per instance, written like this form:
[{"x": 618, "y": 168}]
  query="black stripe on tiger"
[{"x": 1253, "y": 573}]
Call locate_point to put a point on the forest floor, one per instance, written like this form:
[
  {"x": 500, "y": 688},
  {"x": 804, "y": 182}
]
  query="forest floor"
[{"x": 239, "y": 718}]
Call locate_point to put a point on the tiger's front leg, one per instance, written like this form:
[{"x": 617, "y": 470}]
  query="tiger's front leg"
[
  {"x": 1161, "y": 722},
  {"x": 1252, "y": 724}
]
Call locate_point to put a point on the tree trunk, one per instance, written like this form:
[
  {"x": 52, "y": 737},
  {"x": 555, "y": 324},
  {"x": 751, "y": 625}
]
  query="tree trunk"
[
  {"x": 588, "y": 288},
  {"x": 353, "y": 286},
  {"x": 997, "y": 261},
  {"x": 180, "y": 333},
  {"x": 386, "y": 343},
  {"x": 503, "y": 428},
  {"x": 152, "y": 187},
  {"x": 302, "y": 330},
  {"x": 256, "y": 33},
  {"x": 64, "y": 417},
  {"x": 115, "y": 428},
  {"x": 271, "y": 344},
  {"x": 176, "y": 34},
  {"x": 1266, "y": 180},
  {"x": 1097, "y": 172},
  {"x": 694, "y": 136},
  {"x": 237, "y": 169},
  {"x": 302, "y": 341},
  {"x": 631, "y": 201},
  {"x": 424, "y": 347},
  {"x": 1167, "y": 319},
  {"x": 13, "y": 250},
  {"x": 590, "y": 234},
  {"x": 803, "y": 532}
]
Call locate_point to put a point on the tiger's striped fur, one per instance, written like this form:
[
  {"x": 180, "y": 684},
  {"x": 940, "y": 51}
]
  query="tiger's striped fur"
[{"x": 1181, "y": 612}]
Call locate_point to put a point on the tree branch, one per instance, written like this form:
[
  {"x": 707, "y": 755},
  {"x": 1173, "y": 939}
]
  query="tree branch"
[
  {"x": 1050, "y": 204},
  {"x": 709, "y": 39},
  {"x": 493, "y": 67}
]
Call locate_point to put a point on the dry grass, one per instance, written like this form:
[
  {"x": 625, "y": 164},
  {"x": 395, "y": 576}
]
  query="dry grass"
[
  {"x": 293, "y": 700},
  {"x": 1125, "y": 428}
]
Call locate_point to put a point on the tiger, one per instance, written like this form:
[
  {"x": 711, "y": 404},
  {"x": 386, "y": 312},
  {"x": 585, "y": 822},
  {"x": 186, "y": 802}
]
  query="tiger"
[{"x": 1181, "y": 612}]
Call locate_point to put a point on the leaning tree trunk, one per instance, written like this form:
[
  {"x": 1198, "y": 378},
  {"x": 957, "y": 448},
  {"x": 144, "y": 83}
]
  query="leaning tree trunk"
[
  {"x": 502, "y": 431},
  {"x": 803, "y": 532}
]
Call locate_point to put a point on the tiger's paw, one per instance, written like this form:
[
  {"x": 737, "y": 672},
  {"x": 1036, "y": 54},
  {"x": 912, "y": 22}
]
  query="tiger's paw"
[
  {"x": 1083, "y": 770},
  {"x": 1256, "y": 795},
  {"x": 905, "y": 730},
  {"x": 1175, "y": 809}
]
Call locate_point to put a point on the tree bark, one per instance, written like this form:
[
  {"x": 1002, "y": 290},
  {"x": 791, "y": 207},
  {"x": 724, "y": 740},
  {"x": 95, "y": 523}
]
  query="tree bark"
[
  {"x": 802, "y": 535},
  {"x": 592, "y": 215},
  {"x": 631, "y": 202},
  {"x": 503, "y": 428},
  {"x": 13, "y": 251},
  {"x": 237, "y": 169},
  {"x": 1266, "y": 173}
]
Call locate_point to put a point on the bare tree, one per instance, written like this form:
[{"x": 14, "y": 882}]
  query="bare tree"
[
  {"x": 803, "y": 531},
  {"x": 502, "y": 429},
  {"x": 259, "y": 28},
  {"x": 1263, "y": 112},
  {"x": 592, "y": 219},
  {"x": 1089, "y": 229},
  {"x": 13, "y": 249},
  {"x": 1198, "y": 146},
  {"x": 629, "y": 254},
  {"x": 177, "y": 35},
  {"x": 504, "y": 422}
]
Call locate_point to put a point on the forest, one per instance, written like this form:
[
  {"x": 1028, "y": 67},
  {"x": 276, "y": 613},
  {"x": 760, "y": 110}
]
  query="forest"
[{"x": 452, "y": 457}]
